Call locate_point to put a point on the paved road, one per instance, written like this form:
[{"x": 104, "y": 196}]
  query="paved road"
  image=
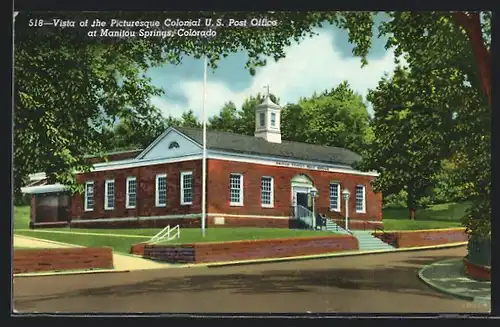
[{"x": 370, "y": 283}]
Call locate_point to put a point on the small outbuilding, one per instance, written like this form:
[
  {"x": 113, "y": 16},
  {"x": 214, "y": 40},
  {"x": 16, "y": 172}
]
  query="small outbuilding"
[{"x": 50, "y": 205}]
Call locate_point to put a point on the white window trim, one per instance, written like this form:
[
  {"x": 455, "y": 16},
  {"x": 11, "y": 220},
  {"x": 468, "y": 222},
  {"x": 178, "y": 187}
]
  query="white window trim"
[
  {"x": 265, "y": 205},
  {"x": 157, "y": 191},
  {"x": 236, "y": 204},
  {"x": 262, "y": 119},
  {"x": 338, "y": 197},
  {"x": 127, "y": 195},
  {"x": 106, "y": 186},
  {"x": 86, "y": 196},
  {"x": 186, "y": 173},
  {"x": 271, "y": 119},
  {"x": 364, "y": 199}
]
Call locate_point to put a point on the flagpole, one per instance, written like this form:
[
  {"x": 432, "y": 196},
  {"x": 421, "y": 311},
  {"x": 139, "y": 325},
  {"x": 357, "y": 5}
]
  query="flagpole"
[{"x": 204, "y": 155}]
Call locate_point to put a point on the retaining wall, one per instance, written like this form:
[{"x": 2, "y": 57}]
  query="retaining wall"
[
  {"x": 408, "y": 239},
  {"x": 38, "y": 260},
  {"x": 246, "y": 250},
  {"x": 477, "y": 272}
]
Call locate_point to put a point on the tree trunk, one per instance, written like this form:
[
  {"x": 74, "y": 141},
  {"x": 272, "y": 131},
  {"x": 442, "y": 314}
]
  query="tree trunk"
[
  {"x": 411, "y": 204},
  {"x": 472, "y": 25}
]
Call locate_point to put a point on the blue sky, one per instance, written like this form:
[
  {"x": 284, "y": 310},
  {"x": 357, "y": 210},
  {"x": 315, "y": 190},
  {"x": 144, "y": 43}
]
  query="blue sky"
[{"x": 313, "y": 65}]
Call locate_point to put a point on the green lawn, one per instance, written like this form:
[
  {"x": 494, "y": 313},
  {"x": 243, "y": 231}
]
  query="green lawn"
[
  {"x": 119, "y": 244},
  {"x": 194, "y": 235},
  {"x": 21, "y": 217},
  {"x": 188, "y": 235},
  {"x": 445, "y": 215}
]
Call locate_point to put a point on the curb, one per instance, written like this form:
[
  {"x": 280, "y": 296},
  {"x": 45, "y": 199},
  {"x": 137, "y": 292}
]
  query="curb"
[
  {"x": 324, "y": 256},
  {"x": 445, "y": 290}
]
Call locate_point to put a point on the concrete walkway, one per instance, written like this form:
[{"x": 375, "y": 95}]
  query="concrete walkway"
[
  {"x": 448, "y": 276},
  {"x": 122, "y": 262}
]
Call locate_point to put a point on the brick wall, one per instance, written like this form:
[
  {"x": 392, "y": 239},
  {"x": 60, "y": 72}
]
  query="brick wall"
[
  {"x": 218, "y": 189},
  {"x": 406, "y": 239},
  {"x": 146, "y": 181},
  {"x": 250, "y": 222},
  {"x": 185, "y": 223},
  {"x": 38, "y": 260},
  {"x": 217, "y": 195},
  {"x": 138, "y": 223},
  {"x": 247, "y": 250}
]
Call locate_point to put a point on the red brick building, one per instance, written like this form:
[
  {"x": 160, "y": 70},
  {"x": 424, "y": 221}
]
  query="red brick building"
[{"x": 255, "y": 180}]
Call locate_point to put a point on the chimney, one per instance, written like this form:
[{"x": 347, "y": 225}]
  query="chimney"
[{"x": 267, "y": 121}]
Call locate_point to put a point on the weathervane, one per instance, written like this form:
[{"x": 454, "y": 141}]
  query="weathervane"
[{"x": 267, "y": 89}]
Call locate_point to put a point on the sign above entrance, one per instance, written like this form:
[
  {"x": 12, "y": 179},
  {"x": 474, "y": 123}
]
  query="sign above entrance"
[{"x": 303, "y": 166}]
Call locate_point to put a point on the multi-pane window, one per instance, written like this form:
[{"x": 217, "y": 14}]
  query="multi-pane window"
[
  {"x": 273, "y": 119},
  {"x": 131, "y": 193},
  {"x": 236, "y": 189},
  {"x": 186, "y": 188},
  {"x": 109, "y": 195},
  {"x": 161, "y": 190},
  {"x": 89, "y": 196},
  {"x": 335, "y": 196},
  {"x": 262, "y": 119},
  {"x": 266, "y": 191},
  {"x": 360, "y": 198}
]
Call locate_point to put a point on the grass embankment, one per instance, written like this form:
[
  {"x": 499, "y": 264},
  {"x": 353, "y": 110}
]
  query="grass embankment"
[
  {"x": 447, "y": 215},
  {"x": 122, "y": 239}
]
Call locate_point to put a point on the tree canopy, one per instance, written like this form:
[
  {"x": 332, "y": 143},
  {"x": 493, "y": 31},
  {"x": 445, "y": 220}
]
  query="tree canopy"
[
  {"x": 410, "y": 138},
  {"x": 336, "y": 117}
]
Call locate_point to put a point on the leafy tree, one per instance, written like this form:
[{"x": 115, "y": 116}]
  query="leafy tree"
[
  {"x": 337, "y": 117},
  {"x": 188, "y": 119},
  {"x": 410, "y": 139},
  {"x": 437, "y": 42},
  {"x": 172, "y": 121},
  {"x": 133, "y": 134},
  {"x": 448, "y": 187},
  {"x": 226, "y": 120},
  {"x": 128, "y": 135}
]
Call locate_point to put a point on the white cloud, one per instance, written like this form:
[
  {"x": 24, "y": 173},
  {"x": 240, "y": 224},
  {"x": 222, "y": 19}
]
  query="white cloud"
[{"x": 314, "y": 65}]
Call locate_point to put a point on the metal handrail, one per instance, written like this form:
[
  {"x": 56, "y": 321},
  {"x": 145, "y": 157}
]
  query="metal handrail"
[
  {"x": 166, "y": 233},
  {"x": 336, "y": 216},
  {"x": 303, "y": 214},
  {"x": 375, "y": 227}
]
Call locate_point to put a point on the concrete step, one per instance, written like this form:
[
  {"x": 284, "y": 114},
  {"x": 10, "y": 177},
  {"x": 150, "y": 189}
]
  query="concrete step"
[
  {"x": 369, "y": 242},
  {"x": 373, "y": 248}
]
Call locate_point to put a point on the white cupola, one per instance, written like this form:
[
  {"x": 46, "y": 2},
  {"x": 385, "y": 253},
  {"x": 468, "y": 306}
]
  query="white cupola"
[{"x": 268, "y": 120}]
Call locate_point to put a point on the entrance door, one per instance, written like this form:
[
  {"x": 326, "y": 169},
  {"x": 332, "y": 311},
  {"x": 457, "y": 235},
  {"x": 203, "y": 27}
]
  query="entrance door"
[{"x": 302, "y": 199}]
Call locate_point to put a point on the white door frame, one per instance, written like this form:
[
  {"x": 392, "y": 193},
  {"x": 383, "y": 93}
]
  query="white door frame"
[{"x": 298, "y": 189}]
